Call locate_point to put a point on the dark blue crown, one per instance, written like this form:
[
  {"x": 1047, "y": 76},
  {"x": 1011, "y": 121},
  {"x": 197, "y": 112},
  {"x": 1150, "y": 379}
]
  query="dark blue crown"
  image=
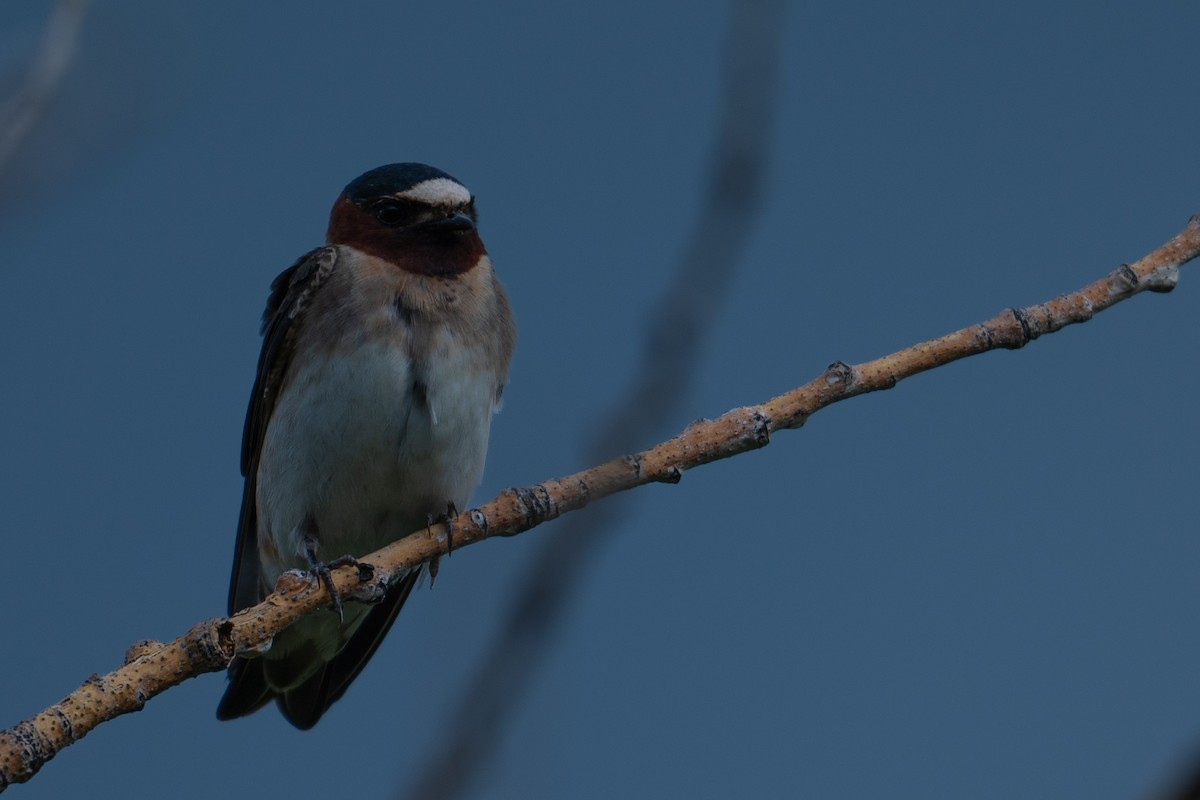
[{"x": 392, "y": 179}]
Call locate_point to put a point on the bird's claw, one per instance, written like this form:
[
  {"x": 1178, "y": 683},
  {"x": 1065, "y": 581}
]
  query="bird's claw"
[
  {"x": 324, "y": 574},
  {"x": 448, "y": 518}
]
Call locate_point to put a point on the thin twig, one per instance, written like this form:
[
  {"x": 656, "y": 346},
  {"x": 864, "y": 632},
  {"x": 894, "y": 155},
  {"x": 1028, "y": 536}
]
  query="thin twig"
[
  {"x": 1184, "y": 784},
  {"x": 153, "y": 667},
  {"x": 57, "y": 50}
]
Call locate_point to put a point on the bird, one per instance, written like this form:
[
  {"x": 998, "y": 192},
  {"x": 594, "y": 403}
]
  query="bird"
[{"x": 385, "y": 355}]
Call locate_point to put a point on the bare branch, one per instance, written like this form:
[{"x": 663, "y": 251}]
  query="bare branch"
[
  {"x": 152, "y": 667},
  {"x": 57, "y": 50}
]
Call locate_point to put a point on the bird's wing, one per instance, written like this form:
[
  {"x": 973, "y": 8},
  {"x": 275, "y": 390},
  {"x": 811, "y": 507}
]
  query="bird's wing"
[{"x": 291, "y": 292}]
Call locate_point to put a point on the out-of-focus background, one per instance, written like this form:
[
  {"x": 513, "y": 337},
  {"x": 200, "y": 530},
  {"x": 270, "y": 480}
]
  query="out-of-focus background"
[{"x": 980, "y": 584}]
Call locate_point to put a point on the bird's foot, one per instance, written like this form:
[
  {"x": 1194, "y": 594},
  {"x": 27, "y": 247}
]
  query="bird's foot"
[
  {"x": 448, "y": 518},
  {"x": 324, "y": 573}
]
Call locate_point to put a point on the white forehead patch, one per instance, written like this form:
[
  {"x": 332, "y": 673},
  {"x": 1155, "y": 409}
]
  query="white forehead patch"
[{"x": 438, "y": 192}]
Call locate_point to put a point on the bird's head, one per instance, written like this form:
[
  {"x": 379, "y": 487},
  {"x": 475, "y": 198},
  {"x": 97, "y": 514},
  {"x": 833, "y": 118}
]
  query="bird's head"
[{"x": 412, "y": 215}]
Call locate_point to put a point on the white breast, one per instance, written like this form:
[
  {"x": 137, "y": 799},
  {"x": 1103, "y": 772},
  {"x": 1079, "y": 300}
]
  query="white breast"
[{"x": 353, "y": 445}]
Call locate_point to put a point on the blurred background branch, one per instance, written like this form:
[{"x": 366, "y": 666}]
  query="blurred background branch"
[
  {"x": 21, "y": 113},
  {"x": 676, "y": 337},
  {"x": 1183, "y": 783}
]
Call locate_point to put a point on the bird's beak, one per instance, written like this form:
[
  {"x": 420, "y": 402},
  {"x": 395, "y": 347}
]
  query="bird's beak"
[{"x": 457, "y": 221}]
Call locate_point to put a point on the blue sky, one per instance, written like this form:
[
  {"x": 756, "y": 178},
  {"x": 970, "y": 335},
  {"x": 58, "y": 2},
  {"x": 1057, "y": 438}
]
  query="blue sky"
[{"x": 981, "y": 583}]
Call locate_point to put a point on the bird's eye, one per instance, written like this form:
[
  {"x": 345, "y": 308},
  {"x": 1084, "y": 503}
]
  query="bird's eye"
[{"x": 389, "y": 213}]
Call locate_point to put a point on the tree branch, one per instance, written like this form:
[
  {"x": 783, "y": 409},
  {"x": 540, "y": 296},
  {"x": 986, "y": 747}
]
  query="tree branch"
[
  {"x": 153, "y": 667},
  {"x": 57, "y": 50}
]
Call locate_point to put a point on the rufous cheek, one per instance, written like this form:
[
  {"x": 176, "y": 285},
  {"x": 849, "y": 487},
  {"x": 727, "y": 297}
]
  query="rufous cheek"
[{"x": 413, "y": 249}]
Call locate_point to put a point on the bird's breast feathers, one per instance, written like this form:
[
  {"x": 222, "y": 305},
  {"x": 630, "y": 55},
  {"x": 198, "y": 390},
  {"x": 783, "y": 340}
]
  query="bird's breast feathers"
[{"x": 384, "y": 417}]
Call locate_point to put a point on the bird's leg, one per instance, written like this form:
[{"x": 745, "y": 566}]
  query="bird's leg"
[
  {"x": 323, "y": 571},
  {"x": 433, "y": 562},
  {"x": 448, "y": 518}
]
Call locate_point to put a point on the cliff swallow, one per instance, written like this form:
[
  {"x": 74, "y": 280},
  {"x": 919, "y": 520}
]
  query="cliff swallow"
[{"x": 384, "y": 356}]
